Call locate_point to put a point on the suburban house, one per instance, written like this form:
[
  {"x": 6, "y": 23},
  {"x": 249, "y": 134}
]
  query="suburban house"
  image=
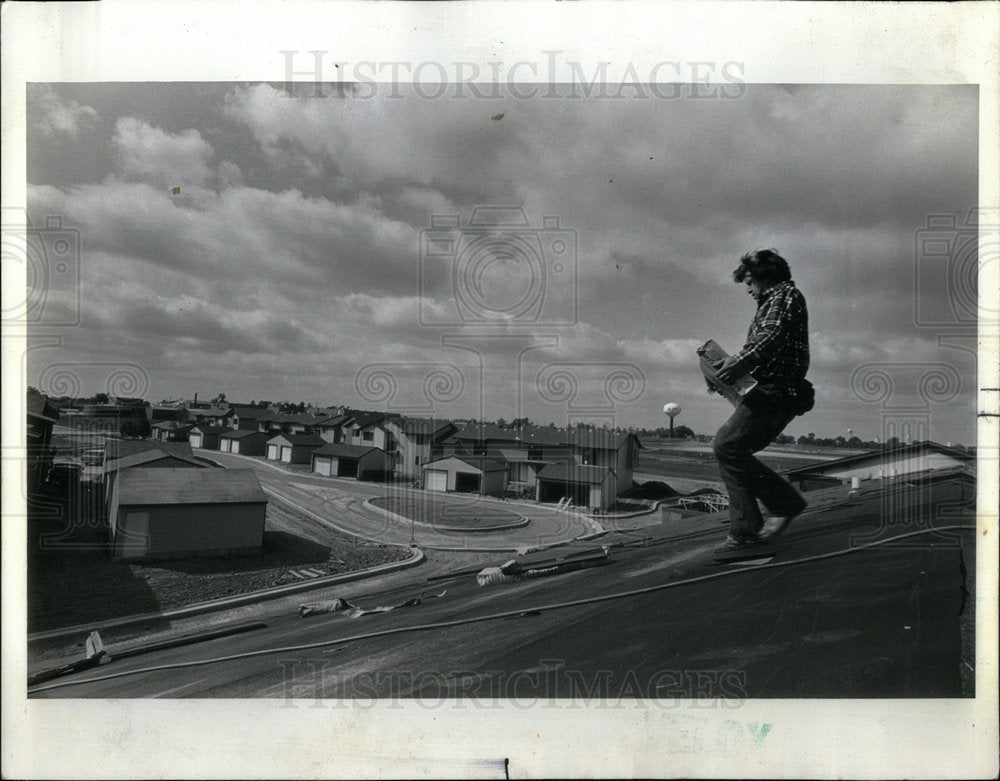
[
  {"x": 368, "y": 428},
  {"x": 336, "y": 459},
  {"x": 293, "y": 448},
  {"x": 249, "y": 418},
  {"x": 331, "y": 429},
  {"x": 418, "y": 440},
  {"x": 465, "y": 473},
  {"x": 293, "y": 423},
  {"x": 211, "y": 416},
  {"x": 42, "y": 416},
  {"x": 160, "y": 412},
  {"x": 206, "y": 436},
  {"x": 165, "y": 513},
  {"x": 170, "y": 431},
  {"x": 244, "y": 442},
  {"x": 546, "y": 462},
  {"x": 912, "y": 459}
]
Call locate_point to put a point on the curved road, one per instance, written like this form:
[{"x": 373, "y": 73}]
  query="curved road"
[{"x": 339, "y": 504}]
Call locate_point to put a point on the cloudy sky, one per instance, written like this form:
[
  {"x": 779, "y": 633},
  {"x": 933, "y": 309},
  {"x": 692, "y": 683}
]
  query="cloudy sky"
[{"x": 237, "y": 239}]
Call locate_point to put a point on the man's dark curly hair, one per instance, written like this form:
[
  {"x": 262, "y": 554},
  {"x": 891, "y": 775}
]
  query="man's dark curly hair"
[{"x": 763, "y": 265}]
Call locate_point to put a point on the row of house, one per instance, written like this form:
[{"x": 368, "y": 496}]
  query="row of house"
[{"x": 589, "y": 467}]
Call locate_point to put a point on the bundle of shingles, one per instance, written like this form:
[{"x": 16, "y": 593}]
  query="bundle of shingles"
[
  {"x": 353, "y": 611},
  {"x": 551, "y": 561}
]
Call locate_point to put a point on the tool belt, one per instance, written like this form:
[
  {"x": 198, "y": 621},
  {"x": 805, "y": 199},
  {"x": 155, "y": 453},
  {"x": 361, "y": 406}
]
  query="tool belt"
[{"x": 797, "y": 397}]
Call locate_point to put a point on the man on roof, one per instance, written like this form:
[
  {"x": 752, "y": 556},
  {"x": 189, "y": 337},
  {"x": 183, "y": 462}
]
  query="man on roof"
[{"x": 776, "y": 355}]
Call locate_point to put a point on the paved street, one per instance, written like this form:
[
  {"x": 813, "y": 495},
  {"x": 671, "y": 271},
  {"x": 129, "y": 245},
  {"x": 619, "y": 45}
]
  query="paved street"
[{"x": 339, "y": 504}]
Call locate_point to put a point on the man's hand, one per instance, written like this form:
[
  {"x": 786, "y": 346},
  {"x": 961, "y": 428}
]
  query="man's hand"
[{"x": 730, "y": 370}]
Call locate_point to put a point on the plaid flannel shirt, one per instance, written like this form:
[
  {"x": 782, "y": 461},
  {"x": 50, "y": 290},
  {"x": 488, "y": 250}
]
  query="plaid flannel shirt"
[{"x": 777, "y": 347}]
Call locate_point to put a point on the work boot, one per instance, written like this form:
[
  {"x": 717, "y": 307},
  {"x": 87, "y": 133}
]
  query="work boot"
[
  {"x": 775, "y": 526},
  {"x": 735, "y": 543}
]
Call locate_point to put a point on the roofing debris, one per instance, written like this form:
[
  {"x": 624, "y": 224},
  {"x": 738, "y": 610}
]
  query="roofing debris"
[
  {"x": 545, "y": 562},
  {"x": 353, "y": 611}
]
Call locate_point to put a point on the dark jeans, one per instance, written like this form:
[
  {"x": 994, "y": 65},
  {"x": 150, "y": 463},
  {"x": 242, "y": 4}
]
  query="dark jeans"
[{"x": 746, "y": 478}]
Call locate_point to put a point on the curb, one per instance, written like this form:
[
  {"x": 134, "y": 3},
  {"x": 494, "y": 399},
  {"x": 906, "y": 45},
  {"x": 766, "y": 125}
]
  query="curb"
[
  {"x": 520, "y": 523},
  {"x": 238, "y": 601}
]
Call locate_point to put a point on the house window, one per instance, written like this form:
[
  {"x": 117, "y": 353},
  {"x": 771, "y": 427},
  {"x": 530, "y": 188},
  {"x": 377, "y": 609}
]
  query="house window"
[
  {"x": 368, "y": 436},
  {"x": 416, "y": 460}
]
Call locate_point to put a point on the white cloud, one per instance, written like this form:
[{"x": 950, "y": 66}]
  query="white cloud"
[
  {"x": 57, "y": 116},
  {"x": 151, "y": 154},
  {"x": 298, "y": 224}
]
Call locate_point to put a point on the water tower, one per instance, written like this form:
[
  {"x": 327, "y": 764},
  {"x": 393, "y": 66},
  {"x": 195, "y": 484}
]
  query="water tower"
[{"x": 671, "y": 410}]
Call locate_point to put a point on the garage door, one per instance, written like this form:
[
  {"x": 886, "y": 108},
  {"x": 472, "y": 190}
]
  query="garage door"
[
  {"x": 196, "y": 440},
  {"x": 467, "y": 482},
  {"x": 347, "y": 467},
  {"x": 286, "y": 454},
  {"x": 436, "y": 479},
  {"x": 554, "y": 491},
  {"x": 272, "y": 452},
  {"x": 323, "y": 466}
]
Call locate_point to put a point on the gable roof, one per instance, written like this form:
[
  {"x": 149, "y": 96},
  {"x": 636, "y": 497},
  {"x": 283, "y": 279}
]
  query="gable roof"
[
  {"x": 243, "y": 433},
  {"x": 365, "y": 419},
  {"x": 172, "y": 425},
  {"x": 906, "y": 451},
  {"x": 342, "y": 450},
  {"x": 334, "y": 420},
  {"x": 211, "y": 412},
  {"x": 255, "y": 413},
  {"x": 303, "y": 418},
  {"x": 148, "y": 457},
  {"x": 120, "y": 448},
  {"x": 484, "y": 463},
  {"x": 189, "y": 486},
  {"x": 423, "y": 426},
  {"x": 206, "y": 429},
  {"x": 299, "y": 439}
]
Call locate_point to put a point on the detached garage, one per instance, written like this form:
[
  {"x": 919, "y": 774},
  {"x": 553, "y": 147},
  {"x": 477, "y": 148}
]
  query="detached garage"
[
  {"x": 585, "y": 486},
  {"x": 293, "y": 448},
  {"x": 342, "y": 460},
  {"x": 206, "y": 437},
  {"x": 166, "y": 513},
  {"x": 465, "y": 474},
  {"x": 244, "y": 442}
]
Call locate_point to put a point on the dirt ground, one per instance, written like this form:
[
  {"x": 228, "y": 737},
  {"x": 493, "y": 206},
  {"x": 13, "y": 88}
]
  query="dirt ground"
[
  {"x": 435, "y": 510},
  {"x": 68, "y": 585}
]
